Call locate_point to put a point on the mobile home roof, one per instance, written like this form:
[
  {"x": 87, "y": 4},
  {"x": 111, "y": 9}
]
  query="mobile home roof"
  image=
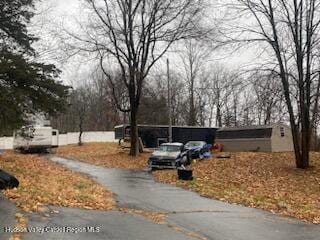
[{"x": 162, "y": 126}]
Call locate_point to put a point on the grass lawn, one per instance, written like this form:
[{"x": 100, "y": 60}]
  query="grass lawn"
[{"x": 263, "y": 180}]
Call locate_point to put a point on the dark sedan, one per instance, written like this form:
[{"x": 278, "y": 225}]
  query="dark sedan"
[{"x": 198, "y": 149}]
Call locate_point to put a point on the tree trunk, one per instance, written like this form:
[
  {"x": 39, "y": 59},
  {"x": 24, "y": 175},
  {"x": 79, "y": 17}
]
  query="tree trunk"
[
  {"x": 305, "y": 140},
  {"x": 315, "y": 139},
  {"x": 302, "y": 157},
  {"x": 219, "y": 117},
  {"x": 235, "y": 114},
  {"x": 80, "y": 131},
  {"x": 294, "y": 127},
  {"x": 192, "y": 112},
  {"x": 267, "y": 119},
  {"x": 134, "y": 146}
]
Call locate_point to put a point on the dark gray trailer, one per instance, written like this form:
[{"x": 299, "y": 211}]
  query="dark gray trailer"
[{"x": 153, "y": 135}]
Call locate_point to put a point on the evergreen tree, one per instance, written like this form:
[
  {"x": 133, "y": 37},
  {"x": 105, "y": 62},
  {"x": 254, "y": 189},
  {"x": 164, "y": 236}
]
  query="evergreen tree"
[{"x": 26, "y": 86}]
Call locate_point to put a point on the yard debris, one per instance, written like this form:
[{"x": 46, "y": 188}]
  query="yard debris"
[
  {"x": 206, "y": 155},
  {"x": 126, "y": 143},
  {"x": 223, "y": 155}
]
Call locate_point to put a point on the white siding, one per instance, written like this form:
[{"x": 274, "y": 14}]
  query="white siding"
[
  {"x": 281, "y": 143},
  {"x": 72, "y": 138},
  {"x": 55, "y": 138}
]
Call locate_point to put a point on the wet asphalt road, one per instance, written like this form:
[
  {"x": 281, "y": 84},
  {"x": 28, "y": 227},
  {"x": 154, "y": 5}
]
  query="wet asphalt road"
[
  {"x": 104, "y": 226},
  {"x": 186, "y": 210},
  {"x": 7, "y": 217}
]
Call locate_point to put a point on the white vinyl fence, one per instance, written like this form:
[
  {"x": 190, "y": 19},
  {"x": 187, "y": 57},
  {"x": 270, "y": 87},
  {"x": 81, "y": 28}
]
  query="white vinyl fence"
[
  {"x": 69, "y": 138},
  {"x": 6, "y": 142}
]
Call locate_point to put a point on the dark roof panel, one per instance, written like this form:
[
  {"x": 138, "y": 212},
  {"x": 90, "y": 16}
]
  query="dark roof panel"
[
  {"x": 246, "y": 127},
  {"x": 244, "y": 133},
  {"x": 165, "y": 126}
]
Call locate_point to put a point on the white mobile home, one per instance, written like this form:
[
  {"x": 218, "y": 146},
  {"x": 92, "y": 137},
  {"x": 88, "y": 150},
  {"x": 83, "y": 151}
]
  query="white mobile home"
[
  {"x": 35, "y": 139},
  {"x": 266, "y": 138}
]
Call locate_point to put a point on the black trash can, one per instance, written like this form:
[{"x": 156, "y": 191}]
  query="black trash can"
[
  {"x": 7, "y": 181},
  {"x": 184, "y": 174}
]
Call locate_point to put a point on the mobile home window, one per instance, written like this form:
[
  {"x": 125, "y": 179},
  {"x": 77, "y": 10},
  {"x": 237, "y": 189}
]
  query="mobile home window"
[
  {"x": 281, "y": 131},
  {"x": 54, "y": 133}
]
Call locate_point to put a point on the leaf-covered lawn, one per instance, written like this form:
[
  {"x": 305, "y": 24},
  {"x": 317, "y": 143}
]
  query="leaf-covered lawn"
[
  {"x": 45, "y": 183},
  {"x": 264, "y": 180},
  {"x": 104, "y": 154}
]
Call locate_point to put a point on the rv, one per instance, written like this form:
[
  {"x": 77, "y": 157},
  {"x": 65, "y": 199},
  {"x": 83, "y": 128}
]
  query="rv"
[{"x": 35, "y": 139}]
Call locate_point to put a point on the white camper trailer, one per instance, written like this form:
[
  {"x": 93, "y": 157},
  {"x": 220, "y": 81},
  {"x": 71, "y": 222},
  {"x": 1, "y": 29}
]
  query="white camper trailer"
[{"x": 32, "y": 139}]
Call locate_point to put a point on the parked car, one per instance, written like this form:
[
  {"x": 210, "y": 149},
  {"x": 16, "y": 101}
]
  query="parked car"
[
  {"x": 169, "y": 155},
  {"x": 198, "y": 149}
]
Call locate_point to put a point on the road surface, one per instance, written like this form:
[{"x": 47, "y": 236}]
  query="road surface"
[{"x": 7, "y": 217}]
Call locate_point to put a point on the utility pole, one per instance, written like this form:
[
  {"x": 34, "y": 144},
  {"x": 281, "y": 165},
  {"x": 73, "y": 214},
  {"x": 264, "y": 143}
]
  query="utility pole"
[{"x": 169, "y": 104}]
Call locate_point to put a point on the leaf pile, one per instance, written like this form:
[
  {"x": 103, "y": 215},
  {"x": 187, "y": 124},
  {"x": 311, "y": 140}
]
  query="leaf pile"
[
  {"x": 108, "y": 155},
  {"x": 45, "y": 183},
  {"x": 263, "y": 180},
  {"x": 21, "y": 223}
]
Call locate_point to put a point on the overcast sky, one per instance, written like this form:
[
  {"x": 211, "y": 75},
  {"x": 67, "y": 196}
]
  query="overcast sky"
[
  {"x": 62, "y": 10},
  {"x": 65, "y": 5}
]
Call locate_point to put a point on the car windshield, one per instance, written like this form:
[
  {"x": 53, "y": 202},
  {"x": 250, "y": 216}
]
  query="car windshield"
[
  {"x": 169, "y": 148},
  {"x": 194, "y": 144}
]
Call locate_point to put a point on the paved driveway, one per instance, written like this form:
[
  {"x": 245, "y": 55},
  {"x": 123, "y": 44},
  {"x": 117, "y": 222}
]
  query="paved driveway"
[
  {"x": 186, "y": 210},
  {"x": 99, "y": 225},
  {"x": 7, "y": 217}
]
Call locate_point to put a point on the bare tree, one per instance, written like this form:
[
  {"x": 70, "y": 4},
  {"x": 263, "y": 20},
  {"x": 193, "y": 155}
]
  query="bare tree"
[
  {"x": 222, "y": 90},
  {"x": 194, "y": 56},
  {"x": 135, "y": 34},
  {"x": 90, "y": 105},
  {"x": 203, "y": 98},
  {"x": 178, "y": 99},
  {"x": 291, "y": 31},
  {"x": 247, "y": 115},
  {"x": 268, "y": 96},
  {"x": 79, "y": 100}
]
